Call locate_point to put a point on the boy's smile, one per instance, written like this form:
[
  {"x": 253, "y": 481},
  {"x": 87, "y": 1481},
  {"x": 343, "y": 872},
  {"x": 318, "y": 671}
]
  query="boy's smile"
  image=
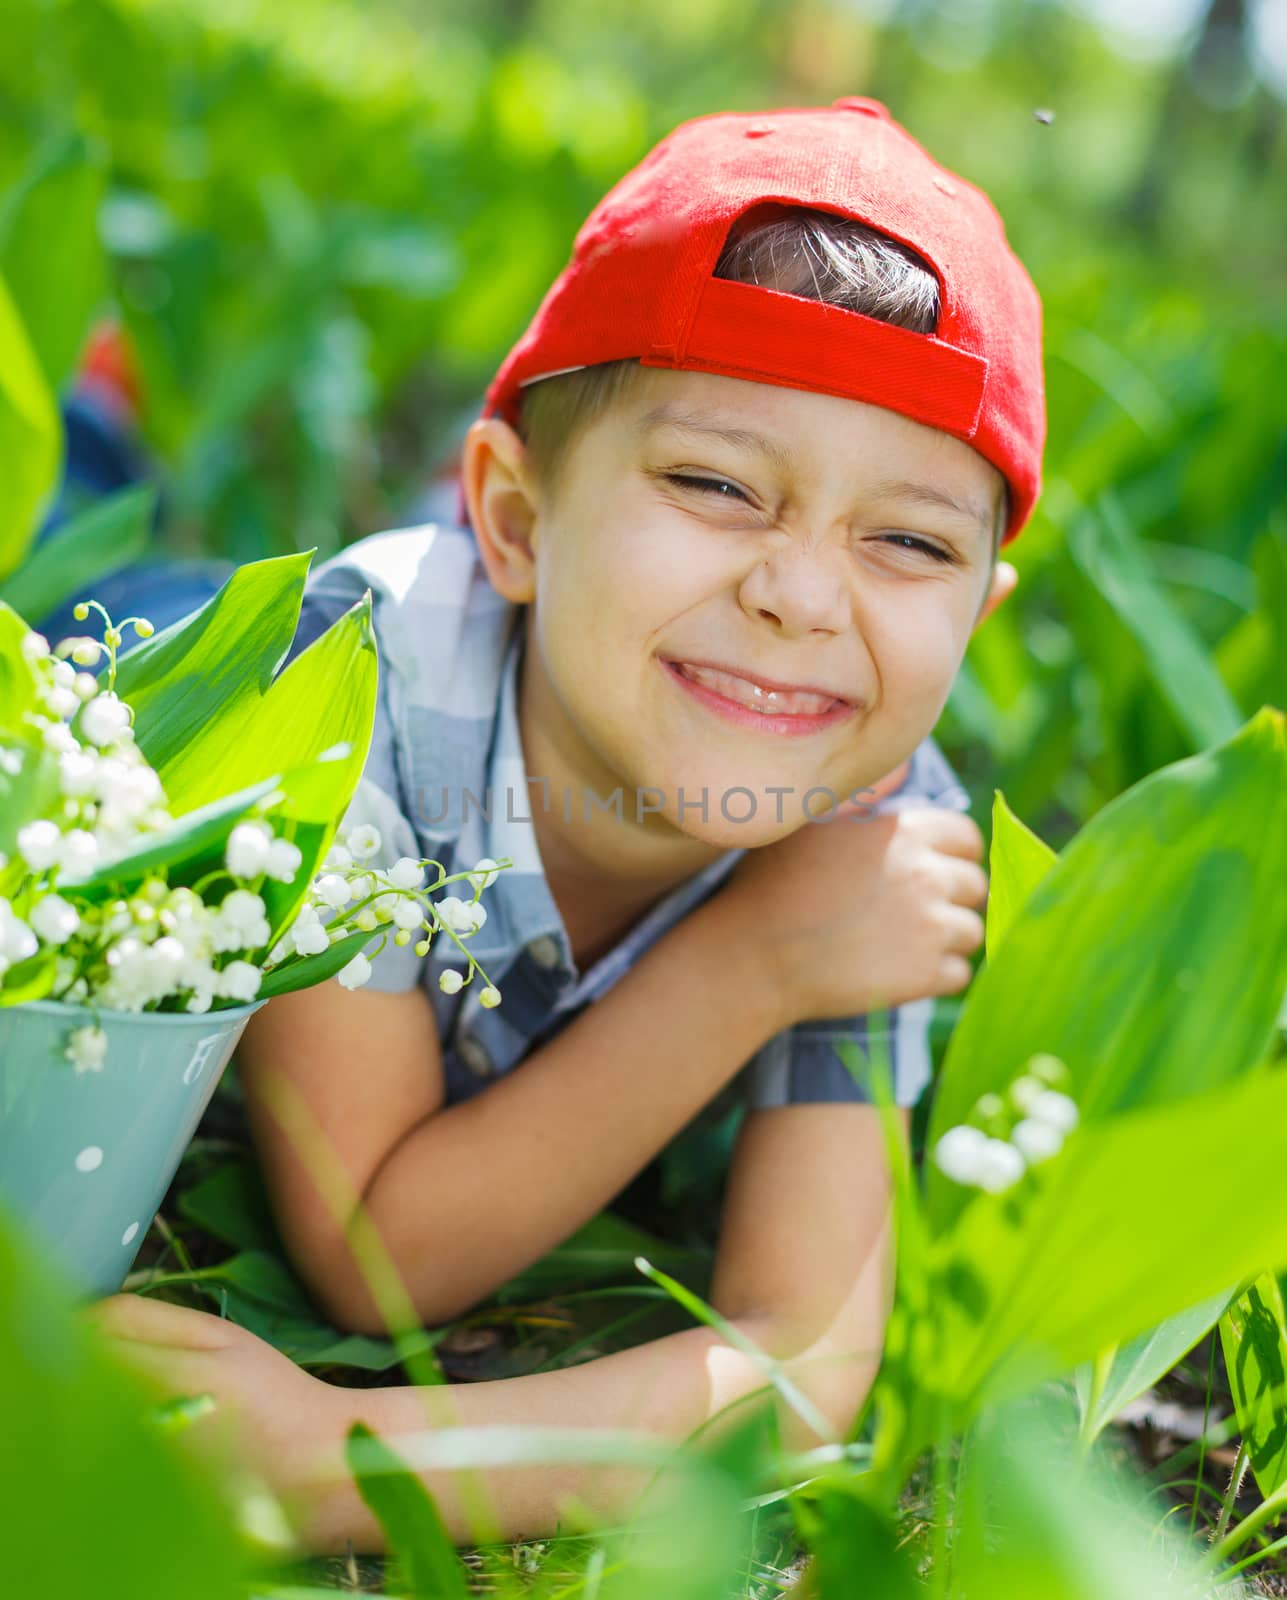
[{"x": 709, "y": 535}]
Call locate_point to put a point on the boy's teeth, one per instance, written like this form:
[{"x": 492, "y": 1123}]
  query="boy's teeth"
[{"x": 774, "y": 701}]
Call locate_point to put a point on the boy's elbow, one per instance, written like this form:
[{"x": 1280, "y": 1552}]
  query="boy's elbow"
[{"x": 352, "y": 1299}]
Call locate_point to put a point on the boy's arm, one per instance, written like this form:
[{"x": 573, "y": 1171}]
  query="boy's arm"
[
  {"x": 804, "y": 1266},
  {"x": 805, "y": 1269},
  {"x": 465, "y": 1196}
]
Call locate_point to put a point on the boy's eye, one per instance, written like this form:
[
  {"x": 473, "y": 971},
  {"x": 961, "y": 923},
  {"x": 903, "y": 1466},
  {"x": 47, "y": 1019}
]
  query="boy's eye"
[
  {"x": 903, "y": 541},
  {"x": 707, "y": 485},
  {"x": 909, "y": 541}
]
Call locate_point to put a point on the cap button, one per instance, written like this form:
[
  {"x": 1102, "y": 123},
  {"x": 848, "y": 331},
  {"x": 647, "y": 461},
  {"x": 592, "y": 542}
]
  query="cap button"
[
  {"x": 860, "y": 102},
  {"x": 756, "y": 130}
]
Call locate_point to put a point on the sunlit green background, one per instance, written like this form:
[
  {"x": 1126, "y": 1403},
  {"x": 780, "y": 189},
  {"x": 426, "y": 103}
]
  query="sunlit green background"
[{"x": 325, "y": 223}]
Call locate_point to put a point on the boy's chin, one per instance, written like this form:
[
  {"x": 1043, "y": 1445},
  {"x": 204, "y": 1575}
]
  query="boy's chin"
[{"x": 739, "y": 827}]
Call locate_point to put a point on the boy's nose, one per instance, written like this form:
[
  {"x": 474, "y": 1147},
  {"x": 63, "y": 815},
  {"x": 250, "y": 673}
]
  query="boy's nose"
[{"x": 803, "y": 591}]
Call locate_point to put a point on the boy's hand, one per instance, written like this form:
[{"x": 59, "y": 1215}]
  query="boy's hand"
[
  {"x": 269, "y": 1414},
  {"x": 858, "y": 913}
]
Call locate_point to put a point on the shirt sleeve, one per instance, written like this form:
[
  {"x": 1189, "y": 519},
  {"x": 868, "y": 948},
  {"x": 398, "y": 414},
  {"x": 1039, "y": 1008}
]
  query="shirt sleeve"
[
  {"x": 377, "y": 800},
  {"x": 801, "y": 1065}
]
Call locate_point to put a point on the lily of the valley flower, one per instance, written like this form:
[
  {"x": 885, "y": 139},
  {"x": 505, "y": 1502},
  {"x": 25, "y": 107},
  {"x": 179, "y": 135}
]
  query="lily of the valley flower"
[
  {"x": 355, "y": 973},
  {"x": 485, "y": 874},
  {"x": 39, "y": 844},
  {"x": 239, "y": 980},
  {"x": 461, "y": 916},
  {"x": 1036, "y": 1141},
  {"x": 105, "y": 720},
  {"x": 241, "y": 923},
  {"x": 363, "y": 841},
  {"x": 86, "y": 1049},
  {"x": 406, "y": 874},
  {"x": 54, "y": 919},
  {"x": 246, "y": 855},
  {"x": 17, "y": 941}
]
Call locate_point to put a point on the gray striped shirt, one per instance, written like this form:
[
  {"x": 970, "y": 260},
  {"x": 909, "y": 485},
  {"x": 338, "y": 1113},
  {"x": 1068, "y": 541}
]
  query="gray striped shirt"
[{"x": 445, "y": 779}]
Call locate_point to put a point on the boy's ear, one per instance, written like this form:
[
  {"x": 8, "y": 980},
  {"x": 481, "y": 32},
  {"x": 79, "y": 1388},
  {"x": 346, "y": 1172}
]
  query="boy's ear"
[
  {"x": 1005, "y": 579},
  {"x": 502, "y": 503}
]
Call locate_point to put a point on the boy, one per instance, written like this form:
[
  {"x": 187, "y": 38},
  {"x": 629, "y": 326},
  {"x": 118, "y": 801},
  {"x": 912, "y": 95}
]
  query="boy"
[{"x": 735, "y": 505}]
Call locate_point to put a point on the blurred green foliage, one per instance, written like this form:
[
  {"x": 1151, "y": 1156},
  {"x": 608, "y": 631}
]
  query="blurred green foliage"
[{"x": 325, "y": 223}]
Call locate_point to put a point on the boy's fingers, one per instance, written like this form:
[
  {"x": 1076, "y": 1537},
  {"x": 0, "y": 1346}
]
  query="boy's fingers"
[{"x": 133, "y": 1318}]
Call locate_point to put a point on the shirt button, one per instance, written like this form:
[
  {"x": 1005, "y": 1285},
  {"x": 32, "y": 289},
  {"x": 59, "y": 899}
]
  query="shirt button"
[
  {"x": 473, "y": 1053},
  {"x": 544, "y": 951}
]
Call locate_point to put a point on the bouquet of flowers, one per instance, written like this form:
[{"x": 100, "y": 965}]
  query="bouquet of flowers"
[
  {"x": 171, "y": 848},
  {"x": 115, "y": 895}
]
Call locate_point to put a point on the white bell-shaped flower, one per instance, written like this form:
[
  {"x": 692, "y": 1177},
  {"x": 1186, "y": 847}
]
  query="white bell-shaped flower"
[
  {"x": 86, "y": 1049},
  {"x": 54, "y": 919},
  {"x": 246, "y": 854},
  {"x": 356, "y": 973},
  {"x": 406, "y": 874},
  {"x": 40, "y": 844}
]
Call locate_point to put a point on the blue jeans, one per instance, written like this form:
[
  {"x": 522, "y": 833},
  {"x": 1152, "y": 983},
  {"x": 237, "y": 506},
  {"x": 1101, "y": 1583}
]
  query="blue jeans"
[{"x": 102, "y": 457}]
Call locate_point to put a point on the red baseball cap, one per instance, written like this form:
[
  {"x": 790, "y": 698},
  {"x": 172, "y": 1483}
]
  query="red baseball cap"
[{"x": 639, "y": 283}]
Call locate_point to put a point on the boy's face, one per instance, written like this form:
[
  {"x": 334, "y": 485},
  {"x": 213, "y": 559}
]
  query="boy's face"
[{"x": 824, "y": 559}]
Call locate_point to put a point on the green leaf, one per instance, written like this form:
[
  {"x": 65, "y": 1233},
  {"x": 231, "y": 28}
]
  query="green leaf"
[
  {"x": 1031, "y": 1282},
  {"x": 50, "y": 252},
  {"x": 311, "y": 726},
  {"x": 258, "y": 1291},
  {"x": 1152, "y": 957},
  {"x": 304, "y": 973},
  {"x": 232, "y": 1204},
  {"x": 190, "y": 848},
  {"x": 197, "y": 679},
  {"x": 1253, "y": 1334},
  {"x": 1033, "y": 1523},
  {"x": 28, "y": 786},
  {"x": 107, "y": 535},
  {"x": 31, "y": 979},
  {"x": 1141, "y": 1362},
  {"x": 30, "y": 437},
  {"x": 848, "y": 1536},
  {"x": 429, "y": 1568},
  {"x": 1108, "y": 552},
  {"x": 1017, "y": 862},
  {"x": 19, "y": 683},
  {"x": 80, "y": 1455}
]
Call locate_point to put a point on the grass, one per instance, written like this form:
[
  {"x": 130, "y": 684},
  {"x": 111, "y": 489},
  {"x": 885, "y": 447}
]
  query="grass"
[{"x": 215, "y": 1221}]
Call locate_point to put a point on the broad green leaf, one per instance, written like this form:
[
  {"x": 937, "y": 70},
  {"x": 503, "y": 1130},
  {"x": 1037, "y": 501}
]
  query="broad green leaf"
[
  {"x": 1141, "y": 1362},
  {"x": 232, "y": 1204},
  {"x": 30, "y": 437},
  {"x": 1017, "y": 862},
  {"x": 192, "y": 847},
  {"x": 314, "y": 720},
  {"x": 28, "y": 789},
  {"x": 303, "y": 974},
  {"x": 1031, "y": 1282},
  {"x": 18, "y": 680},
  {"x": 428, "y": 1566},
  {"x": 105, "y": 536},
  {"x": 257, "y": 1290},
  {"x": 847, "y": 1536},
  {"x": 1152, "y": 957},
  {"x": 28, "y": 980},
  {"x": 1033, "y": 1523},
  {"x": 1108, "y": 552},
  {"x": 81, "y": 1464},
  {"x": 1253, "y": 1333},
  {"x": 208, "y": 671},
  {"x": 50, "y": 252}
]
